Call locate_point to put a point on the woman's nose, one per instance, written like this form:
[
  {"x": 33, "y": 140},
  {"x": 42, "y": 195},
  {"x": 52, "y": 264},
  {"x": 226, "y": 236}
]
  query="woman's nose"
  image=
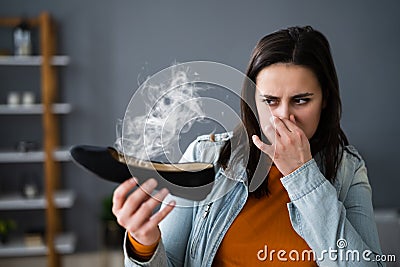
[{"x": 282, "y": 111}]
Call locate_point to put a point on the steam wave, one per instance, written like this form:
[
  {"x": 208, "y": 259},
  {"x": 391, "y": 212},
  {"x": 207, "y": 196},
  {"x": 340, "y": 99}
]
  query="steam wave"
[{"x": 171, "y": 108}]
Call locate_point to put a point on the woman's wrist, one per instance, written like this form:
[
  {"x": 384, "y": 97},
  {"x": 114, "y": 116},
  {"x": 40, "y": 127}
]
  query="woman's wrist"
[{"x": 140, "y": 251}]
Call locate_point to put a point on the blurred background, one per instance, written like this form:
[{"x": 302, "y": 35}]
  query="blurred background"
[{"x": 113, "y": 46}]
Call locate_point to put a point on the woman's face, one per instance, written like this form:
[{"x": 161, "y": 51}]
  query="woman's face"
[{"x": 287, "y": 89}]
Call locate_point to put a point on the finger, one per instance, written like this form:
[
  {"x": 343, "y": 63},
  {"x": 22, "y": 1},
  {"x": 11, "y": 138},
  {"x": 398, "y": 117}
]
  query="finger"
[
  {"x": 269, "y": 131},
  {"x": 148, "y": 207},
  {"x": 121, "y": 192},
  {"x": 292, "y": 119},
  {"x": 136, "y": 199},
  {"x": 291, "y": 125},
  {"x": 146, "y": 210},
  {"x": 133, "y": 202},
  {"x": 160, "y": 215},
  {"x": 282, "y": 129},
  {"x": 273, "y": 124},
  {"x": 267, "y": 149}
]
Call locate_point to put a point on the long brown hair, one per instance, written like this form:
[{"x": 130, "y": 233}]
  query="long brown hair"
[{"x": 309, "y": 48}]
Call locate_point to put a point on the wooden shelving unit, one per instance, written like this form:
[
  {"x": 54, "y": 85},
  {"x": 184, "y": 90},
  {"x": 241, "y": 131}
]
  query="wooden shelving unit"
[
  {"x": 15, "y": 201},
  {"x": 34, "y": 109},
  {"x": 32, "y": 60},
  {"x": 63, "y": 244},
  {"x": 56, "y": 242},
  {"x": 59, "y": 155}
]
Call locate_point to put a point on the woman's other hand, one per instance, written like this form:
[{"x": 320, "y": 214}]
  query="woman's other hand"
[
  {"x": 134, "y": 211},
  {"x": 290, "y": 148}
]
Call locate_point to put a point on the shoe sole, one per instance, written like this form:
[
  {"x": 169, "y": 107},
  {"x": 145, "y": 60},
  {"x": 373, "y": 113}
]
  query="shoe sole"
[{"x": 109, "y": 164}]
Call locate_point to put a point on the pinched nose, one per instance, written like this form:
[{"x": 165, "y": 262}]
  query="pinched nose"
[{"x": 282, "y": 111}]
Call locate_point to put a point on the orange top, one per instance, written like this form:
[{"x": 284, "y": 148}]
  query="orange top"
[
  {"x": 140, "y": 251},
  {"x": 261, "y": 230},
  {"x": 258, "y": 233}
]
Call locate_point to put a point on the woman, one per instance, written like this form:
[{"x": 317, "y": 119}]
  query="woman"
[{"x": 314, "y": 208}]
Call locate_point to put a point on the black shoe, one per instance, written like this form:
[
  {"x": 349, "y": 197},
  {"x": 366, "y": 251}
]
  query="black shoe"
[{"x": 109, "y": 164}]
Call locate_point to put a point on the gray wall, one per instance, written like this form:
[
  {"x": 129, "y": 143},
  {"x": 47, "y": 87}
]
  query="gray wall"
[{"x": 113, "y": 44}]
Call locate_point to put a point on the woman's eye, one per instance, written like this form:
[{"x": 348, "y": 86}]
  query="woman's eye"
[
  {"x": 301, "y": 101},
  {"x": 270, "y": 101}
]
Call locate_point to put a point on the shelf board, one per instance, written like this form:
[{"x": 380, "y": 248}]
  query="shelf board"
[
  {"x": 58, "y": 108},
  {"x": 65, "y": 244},
  {"x": 15, "y": 201},
  {"x": 32, "y": 60},
  {"x": 32, "y": 156}
]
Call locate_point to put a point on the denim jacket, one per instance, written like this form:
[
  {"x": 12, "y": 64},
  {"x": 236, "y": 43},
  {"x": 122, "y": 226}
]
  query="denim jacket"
[{"x": 336, "y": 220}]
